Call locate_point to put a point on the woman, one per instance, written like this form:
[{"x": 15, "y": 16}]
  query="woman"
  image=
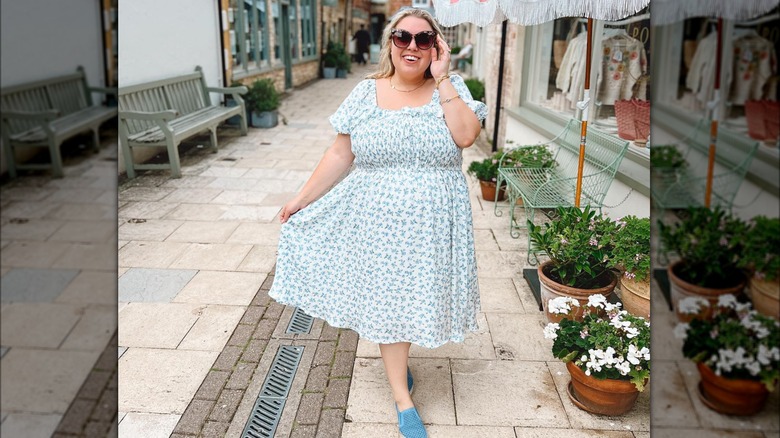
[{"x": 389, "y": 251}]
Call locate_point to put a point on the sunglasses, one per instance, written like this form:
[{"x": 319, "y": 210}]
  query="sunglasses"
[{"x": 424, "y": 40}]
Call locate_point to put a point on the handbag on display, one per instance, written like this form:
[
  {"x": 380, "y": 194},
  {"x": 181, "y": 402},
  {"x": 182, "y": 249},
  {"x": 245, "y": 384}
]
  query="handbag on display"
[
  {"x": 633, "y": 119},
  {"x": 763, "y": 119}
]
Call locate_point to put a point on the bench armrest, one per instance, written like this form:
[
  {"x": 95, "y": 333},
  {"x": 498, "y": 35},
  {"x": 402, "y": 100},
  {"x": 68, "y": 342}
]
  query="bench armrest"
[
  {"x": 146, "y": 115},
  {"x": 228, "y": 90},
  {"x": 104, "y": 90},
  {"x": 31, "y": 115}
]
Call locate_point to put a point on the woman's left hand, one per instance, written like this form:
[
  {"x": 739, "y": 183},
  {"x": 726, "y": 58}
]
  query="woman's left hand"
[{"x": 440, "y": 65}]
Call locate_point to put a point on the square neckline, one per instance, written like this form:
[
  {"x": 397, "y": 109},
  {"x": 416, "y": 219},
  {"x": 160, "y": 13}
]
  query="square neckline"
[{"x": 403, "y": 108}]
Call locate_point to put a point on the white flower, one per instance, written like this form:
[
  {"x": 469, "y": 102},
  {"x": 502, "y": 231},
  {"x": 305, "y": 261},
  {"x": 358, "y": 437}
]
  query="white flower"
[
  {"x": 767, "y": 355},
  {"x": 634, "y": 356},
  {"x": 632, "y": 332},
  {"x": 753, "y": 368},
  {"x": 756, "y": 326},
  {"x": 597, "y": 300},
  {"x": 551, "y": 330},
  {"x": 613, "y": 309},
  {"x": 561, "y": 305},
  {"x": 624, "y": 368},
  {"x": 728, "y": 301},
  {"x": 681, "y": 331},
  {"x": 692, "y": 305},
  {"x": 618, "y": 322}
]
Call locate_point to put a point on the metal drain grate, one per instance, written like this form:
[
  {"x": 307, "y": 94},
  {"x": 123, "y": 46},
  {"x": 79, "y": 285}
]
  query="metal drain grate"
[
  {"x": 300, "y": 322},
  {"x": 270, "y": 403}
]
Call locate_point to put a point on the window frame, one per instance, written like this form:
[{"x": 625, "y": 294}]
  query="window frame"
[{"x": 259, "y": 65}]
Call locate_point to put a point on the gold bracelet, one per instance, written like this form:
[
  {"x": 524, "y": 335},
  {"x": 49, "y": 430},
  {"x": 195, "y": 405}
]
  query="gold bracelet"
[
  {"x": 440, "y": 79},
  {"x": 457, "y": 96}
]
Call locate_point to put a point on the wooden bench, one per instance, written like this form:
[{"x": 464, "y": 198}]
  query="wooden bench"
[
  {"x": 165, "y": 112},
  {"x": 549, "y": 188},
  {"x": 685, "y": 187},
  {"x": 45, "y": 113}
]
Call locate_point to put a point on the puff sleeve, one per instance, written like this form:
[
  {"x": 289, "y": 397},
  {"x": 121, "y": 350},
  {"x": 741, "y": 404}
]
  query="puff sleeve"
[
  {"x": 353, "y": 109},
  {"x": 479, "y": 108}
]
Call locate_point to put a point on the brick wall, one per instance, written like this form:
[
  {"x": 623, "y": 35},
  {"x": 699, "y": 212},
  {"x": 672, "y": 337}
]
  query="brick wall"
[{"x": 512, "y": 79}]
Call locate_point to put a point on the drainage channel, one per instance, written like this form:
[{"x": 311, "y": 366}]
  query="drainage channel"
[{"x": 268, "y": 408}]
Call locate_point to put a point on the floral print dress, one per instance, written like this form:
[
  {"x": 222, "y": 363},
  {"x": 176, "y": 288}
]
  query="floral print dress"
[{"x": 389, "y": 251}]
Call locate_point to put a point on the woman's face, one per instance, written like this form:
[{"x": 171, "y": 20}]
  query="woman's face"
[{"x": 412, "y": 60}]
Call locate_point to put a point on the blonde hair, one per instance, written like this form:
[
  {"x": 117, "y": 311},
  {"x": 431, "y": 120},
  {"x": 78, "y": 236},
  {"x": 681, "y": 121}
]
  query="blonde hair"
[{"x": 386, "y": 67}]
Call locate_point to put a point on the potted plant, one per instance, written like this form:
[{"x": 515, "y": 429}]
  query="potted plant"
[
  {"x": 737, "y": 355},
  {"x": 329, "y": 63},
  {"x": 760, "y": 257},
  {"x": 631, "y": 256},
  {"x": 486, "y": 171},
  {"x": 230, "y": 102},
  {"x": 708, "y": 242},
  {"x": 263, "y": 102},
  {"x": 343, "y": 65},
  {"x": 578, "y": 243},
  {"x": 607, "y": 353},
  {"x": 665, "y": 162}
]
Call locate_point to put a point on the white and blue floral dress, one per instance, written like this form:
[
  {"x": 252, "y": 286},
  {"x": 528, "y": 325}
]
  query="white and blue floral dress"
[{"x": 389, "y": 251}]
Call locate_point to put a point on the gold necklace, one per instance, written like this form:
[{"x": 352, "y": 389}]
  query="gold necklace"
[{"x": 407, "y": 91}]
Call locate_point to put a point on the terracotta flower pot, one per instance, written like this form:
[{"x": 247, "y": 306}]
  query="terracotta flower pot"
[
  {"x": 489, "y": 191},
  {"x": 600, "y": 396},
  {"x": 766, "y": 297},
  {"x": 550, "y": 289},
  {"x": 681, "y": 289},
  {"x": 731, "y": 396},
  {"x": 635, "y": 296}
]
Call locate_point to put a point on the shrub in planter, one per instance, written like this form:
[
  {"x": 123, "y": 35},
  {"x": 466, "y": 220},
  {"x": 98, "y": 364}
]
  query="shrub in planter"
[
  {"x": 476, "y": 87},
  {"x": 486, "y": 171},
  {"x": 760, "y": 256},
  {"x": 631, "y": 256},
  {"x": 263, "y": 102}
]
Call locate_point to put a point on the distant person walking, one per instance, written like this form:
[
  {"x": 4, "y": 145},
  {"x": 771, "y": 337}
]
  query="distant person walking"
[{"x": 363, "y": 40}]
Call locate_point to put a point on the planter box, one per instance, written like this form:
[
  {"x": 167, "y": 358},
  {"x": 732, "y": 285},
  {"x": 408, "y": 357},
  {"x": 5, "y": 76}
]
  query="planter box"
[
  {"x": 235, "y": 120},
  {"x": 265, "y": 119},
  {"x": 341, "y": 74},
  {"x": 329, "y": 72}
]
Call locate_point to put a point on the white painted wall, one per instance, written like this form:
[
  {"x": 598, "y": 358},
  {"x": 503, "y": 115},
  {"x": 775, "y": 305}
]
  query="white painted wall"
[
  {"x": 41, "y": 39},
  {"x": 161, "y": 39}
]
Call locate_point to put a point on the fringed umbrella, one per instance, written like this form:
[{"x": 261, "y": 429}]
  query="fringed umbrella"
[{"x": 532, "y": 12}]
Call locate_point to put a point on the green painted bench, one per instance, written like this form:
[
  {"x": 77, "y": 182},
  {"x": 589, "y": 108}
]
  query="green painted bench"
[
  {"x": 165, "y": 112},
  {"x": 685, "y": 187},
  {"x": 549, "y": 188},
  {"x": 45, "y": 113}
]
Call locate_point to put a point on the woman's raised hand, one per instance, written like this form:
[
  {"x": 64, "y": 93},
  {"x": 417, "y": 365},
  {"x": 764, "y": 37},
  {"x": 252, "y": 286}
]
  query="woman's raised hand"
[{"x": 440, "y": 65}]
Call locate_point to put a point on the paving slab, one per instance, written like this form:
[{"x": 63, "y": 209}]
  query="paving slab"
[
  {"x": 33, "y": 254},
  {"x": 371, "y": 400},
  {"x": 527, "y": 432},
  {"x": 27, "y": 209},
  {"x": 29, "y": 229},
  {"x": 95, "y": 231},
  {"x": 43, "y": 381},
  {"x": 35, "y": 285},
  {"x": 147, "y": 229},
  {"x": 196, "y": 212},
  {"x": 96, "y": 256},
  {"x": 145, "y": 193},
  {"x": 663, "y": 432},
  {"x": 157, "y": 325},
  {"x": 192, "y": 196},
  {"x": 211, "y": 256},
  {"x": 256, "y": 234},
  {"x": 220, "y": 287},
  {"x": 161, "y": 381},
  {"x": 91, "y": 287},
  {"x": 93, "y": 331},
  {"x": 213, "y": 328},
  {"x": 29, "y": 425},
  {"x": 148, "y": 425},
  {"x": 506, "y": 393},
  {"x": 146, "y": 210},
  {"x": 501, "y": 264},
  {"x": 249, "y": 213},
  {"x": 672, "y": 408},
  {"x": 150, "y": 254},
  {"x": 153, "y": 285},
  {"x": 22, "y": 327},
  {"x": 499, "y": 295},
  {"x": 73, "y": 212},
  {"x": 261, "y": 258},
  {"x": 505, "y": 329}
]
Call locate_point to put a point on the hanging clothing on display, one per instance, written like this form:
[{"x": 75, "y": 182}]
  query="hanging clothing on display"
[
  {"x": 624, "y": 63},
  {"x": 755, "y": 62},
  {"x": 571, "y": 74},
  {"x": 701, "y": 75}
]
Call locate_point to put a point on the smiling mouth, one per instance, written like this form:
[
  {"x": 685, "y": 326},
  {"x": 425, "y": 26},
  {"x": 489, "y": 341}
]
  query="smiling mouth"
[{"x": 410, "y": 58}]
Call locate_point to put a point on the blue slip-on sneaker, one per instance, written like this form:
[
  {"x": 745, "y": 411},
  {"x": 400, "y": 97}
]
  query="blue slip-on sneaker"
[
  {"x": 410, "y": 424},
  {"x": 409, "y": 380}
]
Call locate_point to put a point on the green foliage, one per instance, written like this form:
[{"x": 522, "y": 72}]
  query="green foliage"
[
  {"x": 709, "y": 242},
  {"x": 761, "y": 246},
  {"x": 530, "y": 156},
  {"x": 737, "y": 342},
  {"x": 262, "y": 96},
  {"x": 336, "y": 56},
  {"x": 666, "y": 157},
  {"x": 476, "y": 88},
  {"x": 631, "y": 247},
  {"x": 487, "y": 169},
  {"x": 579, "y": 244},
  {"x": 608, "y": 343}
]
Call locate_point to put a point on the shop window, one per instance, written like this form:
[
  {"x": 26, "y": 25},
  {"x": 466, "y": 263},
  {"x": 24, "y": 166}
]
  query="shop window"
[
  {"x": 247, "y": 21},
  {"x": 309, "y": 28}
]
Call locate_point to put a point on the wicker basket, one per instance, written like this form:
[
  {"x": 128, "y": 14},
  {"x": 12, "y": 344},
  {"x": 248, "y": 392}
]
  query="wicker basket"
[
  {"x": 763, "y": 119},
  {"x": 633, "y": 119}
]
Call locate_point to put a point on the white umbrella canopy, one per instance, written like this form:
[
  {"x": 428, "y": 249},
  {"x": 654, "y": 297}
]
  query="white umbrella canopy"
[
  {"x": 531, "y": 12},
  {"x": 666, "y": 12}
]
